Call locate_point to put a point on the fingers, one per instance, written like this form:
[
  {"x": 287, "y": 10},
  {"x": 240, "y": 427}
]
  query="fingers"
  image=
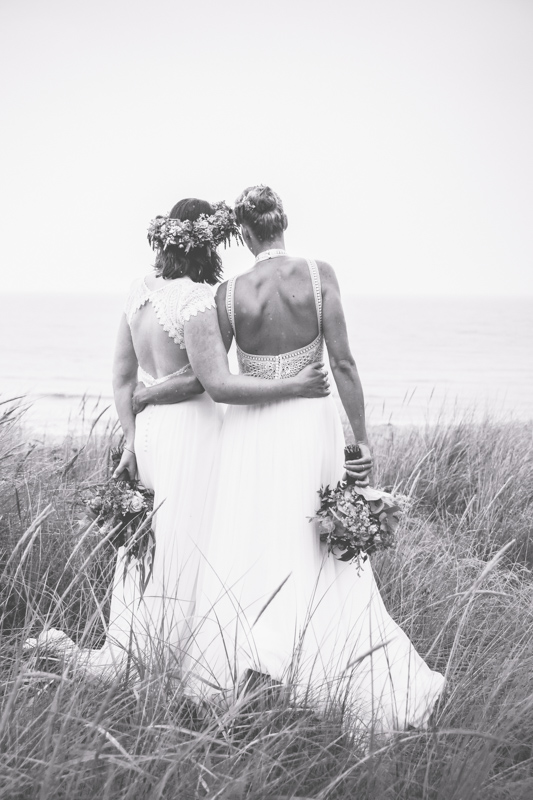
[
  {"x": 125, "y": 474},
  {"x": 320, "y": 367},
  {"x": 361, "y": 465},
  {"x": 360, "y": 470},
  {"x": 358, "y": 480},
  {"x": 324, "y": 387},
  {"x": 128, "y": 465},
  {"x": 360, "y": 474}
]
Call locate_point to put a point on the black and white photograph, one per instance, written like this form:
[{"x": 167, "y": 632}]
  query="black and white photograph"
[{"x": 266, "y": 400}]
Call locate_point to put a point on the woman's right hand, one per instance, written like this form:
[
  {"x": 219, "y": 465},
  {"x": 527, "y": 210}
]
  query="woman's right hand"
[
  {"x": 359, "y": 468},
  {"x": 138, "y": 398},
  {"x": 313, "y": 381}
]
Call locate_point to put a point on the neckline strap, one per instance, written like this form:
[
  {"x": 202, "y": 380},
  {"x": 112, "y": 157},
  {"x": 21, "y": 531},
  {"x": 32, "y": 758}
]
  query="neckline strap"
[
  {"x": 272, "y": 253},
  {"x": 230, "y": 307},
  {"x": 317, "y": 290}
]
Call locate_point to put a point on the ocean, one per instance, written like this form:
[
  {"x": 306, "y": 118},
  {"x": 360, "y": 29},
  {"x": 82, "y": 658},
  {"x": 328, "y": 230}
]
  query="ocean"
[{"x": 421, "y": 360}]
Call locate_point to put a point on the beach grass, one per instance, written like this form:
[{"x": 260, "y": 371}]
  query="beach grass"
[{"x": 459, "y": 583}]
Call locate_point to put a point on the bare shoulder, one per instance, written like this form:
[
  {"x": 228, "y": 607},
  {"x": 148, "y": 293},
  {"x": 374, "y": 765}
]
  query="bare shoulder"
[
  {"x": 220, "y": 295},
  {"x": 223, "y": 319},
  {"x": 328, "y": 278}
]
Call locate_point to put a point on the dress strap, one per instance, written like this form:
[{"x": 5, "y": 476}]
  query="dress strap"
[
  {"x": 149, "y": 380},
  {"x": 230, "y": 306},
  {"x": 137, "y": 297},
  {"x": 315, "y": 278}
]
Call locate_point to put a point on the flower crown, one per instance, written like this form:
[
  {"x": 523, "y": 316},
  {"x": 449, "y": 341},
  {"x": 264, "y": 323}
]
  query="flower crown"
[{"x": 207, "y": 231}]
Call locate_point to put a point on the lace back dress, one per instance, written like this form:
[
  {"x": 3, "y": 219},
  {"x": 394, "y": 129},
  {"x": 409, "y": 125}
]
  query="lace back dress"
[
  {"x": 173, "y": 303},
  {"x": 272, "y": 600},
  {"x": 175, "y": 446}
]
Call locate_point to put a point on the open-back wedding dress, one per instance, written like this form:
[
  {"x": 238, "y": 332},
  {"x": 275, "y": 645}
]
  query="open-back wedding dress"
[
  {"x": 175, "y": 447},
  {"x": 271, "y": 598}
]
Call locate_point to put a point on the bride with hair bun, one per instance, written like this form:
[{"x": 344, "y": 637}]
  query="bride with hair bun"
[{"x": 272, "y": 602}]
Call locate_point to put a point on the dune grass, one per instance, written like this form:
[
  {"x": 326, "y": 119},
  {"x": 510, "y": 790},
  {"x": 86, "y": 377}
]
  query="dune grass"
[{"x": 459, "y": 583}]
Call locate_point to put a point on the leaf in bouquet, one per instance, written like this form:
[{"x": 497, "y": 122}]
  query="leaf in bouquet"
[
  {"x": 393, "y": 509},
  {"x": 327, "y": 524},
  {"x": 368, "y": 492},
  {"x": 327, "y": 497},
  {"x": 349, "y": 555}
]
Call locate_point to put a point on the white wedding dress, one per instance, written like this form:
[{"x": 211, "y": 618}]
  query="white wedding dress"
[
  {"x": 271, "y": 598},
  {"x": 175, "y": 447}
]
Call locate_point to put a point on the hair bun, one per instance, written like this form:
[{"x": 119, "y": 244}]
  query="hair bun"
[
  {"x": 265, "y": 201},
  {"x": 261, "y": 208}
]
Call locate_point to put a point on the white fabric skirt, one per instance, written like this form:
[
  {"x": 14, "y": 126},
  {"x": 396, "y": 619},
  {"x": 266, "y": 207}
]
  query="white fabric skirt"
[
  {"x": 175, "y": 447},
  {"x": 272, "y": 600}
]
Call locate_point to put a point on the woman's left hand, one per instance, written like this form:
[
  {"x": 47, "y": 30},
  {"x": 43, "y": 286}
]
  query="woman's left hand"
[
  {"x": 360, "y": 468},
  {"x": 127, "y": 463}
]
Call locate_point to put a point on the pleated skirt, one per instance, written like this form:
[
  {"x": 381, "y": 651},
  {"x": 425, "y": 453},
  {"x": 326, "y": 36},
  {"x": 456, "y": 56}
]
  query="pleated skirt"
[{"x": 270, "y": 597}]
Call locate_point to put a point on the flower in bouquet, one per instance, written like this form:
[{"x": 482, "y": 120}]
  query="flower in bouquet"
[
  {"x": 355, "y": 521},
  {"x": 122, "y": 511}
]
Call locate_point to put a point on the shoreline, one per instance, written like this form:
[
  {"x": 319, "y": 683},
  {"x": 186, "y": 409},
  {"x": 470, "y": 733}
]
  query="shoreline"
[{"x": 52, "y": 418}]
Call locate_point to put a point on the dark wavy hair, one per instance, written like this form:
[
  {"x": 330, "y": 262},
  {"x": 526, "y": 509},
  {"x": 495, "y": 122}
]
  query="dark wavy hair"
[
  {"x": 261, "y": 209},
  {"x": 200, "y": 264}
]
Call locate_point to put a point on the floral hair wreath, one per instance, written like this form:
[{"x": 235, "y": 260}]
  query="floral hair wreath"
[
  {"x": 207, "y": 231},
  {"x": 248, "y": 204}
]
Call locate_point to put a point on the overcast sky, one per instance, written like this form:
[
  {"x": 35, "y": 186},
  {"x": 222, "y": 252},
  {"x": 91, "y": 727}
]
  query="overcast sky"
[{"x": 398, "y": 133}]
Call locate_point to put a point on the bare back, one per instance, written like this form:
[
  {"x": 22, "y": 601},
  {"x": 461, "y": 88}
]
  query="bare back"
[
  {"x": 155, "y": 351},
  {"x": 156, "y": 314},
  {"x": 275, "y": 307}
]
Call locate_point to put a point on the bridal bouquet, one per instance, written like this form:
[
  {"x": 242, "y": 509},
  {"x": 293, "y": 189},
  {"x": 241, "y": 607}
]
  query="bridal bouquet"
[
  {"x": 122, "y": 511},
  {"x": 356, "y": 521}
]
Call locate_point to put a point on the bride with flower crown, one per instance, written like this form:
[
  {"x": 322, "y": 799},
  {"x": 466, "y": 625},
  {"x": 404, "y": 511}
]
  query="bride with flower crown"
[
  {"x": 272, "y": 602},
  {"x": 170, "y": 319}
]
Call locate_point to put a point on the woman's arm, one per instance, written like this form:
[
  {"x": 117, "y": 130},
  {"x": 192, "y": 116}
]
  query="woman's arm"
[
  {"x": 124, "y": 380},
  {"x": 209, "y": 362},
  {"x": 173, "y": 390},
  {"x": 224, "y": 324},
  {"x": 344, "y": 369}
]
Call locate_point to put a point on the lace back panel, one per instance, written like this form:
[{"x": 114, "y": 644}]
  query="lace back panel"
[
  {"x": 173, "y": 303},
  {"x": 285, "y": 365}
]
